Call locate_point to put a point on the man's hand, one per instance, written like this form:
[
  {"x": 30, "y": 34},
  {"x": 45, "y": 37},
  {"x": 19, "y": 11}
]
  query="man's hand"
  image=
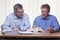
[
  {"x": 35, "y": 27},
  {"x": 50, "y": 30},
  {"x": 16, "y": 28}
]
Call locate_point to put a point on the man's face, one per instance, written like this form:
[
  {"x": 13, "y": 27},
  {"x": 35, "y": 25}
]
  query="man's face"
[
  {"x": 44, "y": 12},
  {"x": 19, "y": 13}
]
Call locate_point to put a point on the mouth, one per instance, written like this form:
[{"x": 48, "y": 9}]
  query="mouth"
[{"x": 44, "y": 16}]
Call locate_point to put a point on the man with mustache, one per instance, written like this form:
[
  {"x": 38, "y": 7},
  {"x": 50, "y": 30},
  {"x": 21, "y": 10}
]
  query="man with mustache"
[{"x": 45, "y": 21}]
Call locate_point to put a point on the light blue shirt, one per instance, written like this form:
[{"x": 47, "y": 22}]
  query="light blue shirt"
[
  {"x": 13, "y": 21},
  {"x": 50, "y": 21}
]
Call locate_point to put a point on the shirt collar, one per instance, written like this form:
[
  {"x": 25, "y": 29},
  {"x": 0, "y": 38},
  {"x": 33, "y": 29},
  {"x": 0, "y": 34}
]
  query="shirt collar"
[
  {"x": 14, "y": 16},
  {"x": 46, "y": 18}
]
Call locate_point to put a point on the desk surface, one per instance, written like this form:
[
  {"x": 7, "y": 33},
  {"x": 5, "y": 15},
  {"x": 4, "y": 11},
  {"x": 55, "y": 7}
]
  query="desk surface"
[{"x": 38, "y": 35}]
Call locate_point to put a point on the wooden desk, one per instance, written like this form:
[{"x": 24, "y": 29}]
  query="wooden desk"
[{"x": 38, "y": 35}]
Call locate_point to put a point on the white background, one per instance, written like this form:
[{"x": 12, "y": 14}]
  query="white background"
[{"x": 31, "y": 7}]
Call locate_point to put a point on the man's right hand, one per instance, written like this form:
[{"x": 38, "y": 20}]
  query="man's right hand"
[
  {"x": 16, "y": 28},
  {"x": 50, "y": 30}
]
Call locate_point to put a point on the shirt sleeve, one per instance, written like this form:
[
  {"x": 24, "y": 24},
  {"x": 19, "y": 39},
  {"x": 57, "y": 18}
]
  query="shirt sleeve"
[
  {"x": 55, "y": 24},
  {"x": 35, "y": 23},
  {"x": 26, "y": 24},
  {"x": 6, "y": 24}
]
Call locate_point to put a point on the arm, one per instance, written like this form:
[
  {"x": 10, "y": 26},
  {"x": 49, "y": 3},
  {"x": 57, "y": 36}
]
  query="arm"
[
  {"x": 36, "y": 26},
  {"x": 35, "y": 23},
  {"x": 6, "y": 25},
  {"x": 26, "y": 24},
  {"x": 55, "y": 24}
]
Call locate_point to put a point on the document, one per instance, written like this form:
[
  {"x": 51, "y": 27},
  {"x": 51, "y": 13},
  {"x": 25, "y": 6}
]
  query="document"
[
  {"x": 25, "y": 32},
  {"x": 7, "y": 30}
]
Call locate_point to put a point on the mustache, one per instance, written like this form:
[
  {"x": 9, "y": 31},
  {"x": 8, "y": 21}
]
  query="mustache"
[{"x": 43, "y": 14}]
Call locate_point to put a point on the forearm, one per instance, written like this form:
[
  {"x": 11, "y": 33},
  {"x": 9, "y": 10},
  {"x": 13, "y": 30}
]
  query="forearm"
[
  {"x": 56, "y": 28},
  {"x": 24, "y": 28},
  {"x": 5, "y": 28}
]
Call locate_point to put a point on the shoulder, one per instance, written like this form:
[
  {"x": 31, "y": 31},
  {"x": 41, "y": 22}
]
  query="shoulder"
[
  {"x": 52, "y": 17},
  {"x": 10, "y": 15},
  {"x": 25, "y": 15},
  {"x": 38, "y": 17}
]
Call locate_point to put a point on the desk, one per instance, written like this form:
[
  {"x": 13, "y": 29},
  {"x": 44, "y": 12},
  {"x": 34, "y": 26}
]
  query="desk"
[{"x": 38, "y": 35}]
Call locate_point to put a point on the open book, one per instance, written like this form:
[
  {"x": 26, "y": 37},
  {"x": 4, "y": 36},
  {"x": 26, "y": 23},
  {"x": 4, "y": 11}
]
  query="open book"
[{"x": 38, "y": 29}]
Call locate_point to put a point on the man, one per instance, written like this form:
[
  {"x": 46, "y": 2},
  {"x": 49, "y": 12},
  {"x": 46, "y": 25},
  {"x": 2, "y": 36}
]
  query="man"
[
  {"x": 46, "y": 22},
  {"x": 17, "y": 21}
]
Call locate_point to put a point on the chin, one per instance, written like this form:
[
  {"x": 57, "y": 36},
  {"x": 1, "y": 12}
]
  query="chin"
[
  {"x": 20, "y": 16},
  {"x": 44, "y": 17}
]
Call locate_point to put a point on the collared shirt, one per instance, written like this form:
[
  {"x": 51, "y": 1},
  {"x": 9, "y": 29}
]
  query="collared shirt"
[
  {"x": 13, "y": 21},
  {"x": 50, "y": 21}
]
